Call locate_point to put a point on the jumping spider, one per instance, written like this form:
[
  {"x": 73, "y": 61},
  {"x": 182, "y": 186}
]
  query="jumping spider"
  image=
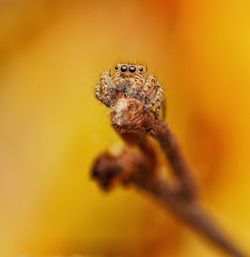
[{"x": 131, "y": 81}]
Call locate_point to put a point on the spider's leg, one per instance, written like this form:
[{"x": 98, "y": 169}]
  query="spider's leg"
[
  {"x": 105, "y": 89},
  {"x": 135, "y": 89},
  {"x": 154, "y": 95},
  {"x": 159, "y": 102}
]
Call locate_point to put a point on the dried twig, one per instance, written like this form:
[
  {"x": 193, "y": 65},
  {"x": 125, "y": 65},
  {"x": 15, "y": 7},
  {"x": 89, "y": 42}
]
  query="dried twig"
[{"x": 135, "y": 124}]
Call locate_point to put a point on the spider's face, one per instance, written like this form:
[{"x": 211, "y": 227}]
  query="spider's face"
[{"x": 130, "y": 70}]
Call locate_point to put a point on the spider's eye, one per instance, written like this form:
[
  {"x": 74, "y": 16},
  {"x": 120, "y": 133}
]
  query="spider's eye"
[
  {"x": 124, "y": 68},
  {"x": 116, "y": 67},
  {"x": 132, "y": 68},
  {"x": 141, "y": 69}
]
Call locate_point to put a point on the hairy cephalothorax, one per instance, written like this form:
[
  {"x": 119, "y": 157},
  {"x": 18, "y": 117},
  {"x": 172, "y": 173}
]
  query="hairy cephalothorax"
[{"x": 131, "y": 81}]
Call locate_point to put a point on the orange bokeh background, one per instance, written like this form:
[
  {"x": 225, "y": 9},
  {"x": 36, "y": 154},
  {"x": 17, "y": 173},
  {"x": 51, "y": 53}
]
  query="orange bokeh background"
[{"x": 51, "y": 56}]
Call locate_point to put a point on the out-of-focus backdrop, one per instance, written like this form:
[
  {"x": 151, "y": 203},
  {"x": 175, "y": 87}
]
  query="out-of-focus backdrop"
[{"x": 51, "y": 126}]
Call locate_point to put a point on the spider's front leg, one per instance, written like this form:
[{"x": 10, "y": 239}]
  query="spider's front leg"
[
  {"x": 135, "y": 89},
  {"x": 153, "y": 94},
  {"x": 105, "y": 89}
]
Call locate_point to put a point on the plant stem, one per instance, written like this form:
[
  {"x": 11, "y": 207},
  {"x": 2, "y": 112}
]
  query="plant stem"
[{"x": 135, "y": 126}]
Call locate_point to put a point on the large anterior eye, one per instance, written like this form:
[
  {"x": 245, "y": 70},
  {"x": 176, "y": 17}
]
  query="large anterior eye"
[
  {"x": 132, "y": 68},
  {"x": 124, "y": 68}
]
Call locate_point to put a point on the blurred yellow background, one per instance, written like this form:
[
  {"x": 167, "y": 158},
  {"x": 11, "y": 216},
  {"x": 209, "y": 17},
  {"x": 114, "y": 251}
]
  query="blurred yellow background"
[{"x": 51, "y": 56}]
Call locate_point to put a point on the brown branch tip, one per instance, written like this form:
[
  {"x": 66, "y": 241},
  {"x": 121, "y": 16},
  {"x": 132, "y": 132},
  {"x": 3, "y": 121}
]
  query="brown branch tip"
[{"x": 132, "y": 98}]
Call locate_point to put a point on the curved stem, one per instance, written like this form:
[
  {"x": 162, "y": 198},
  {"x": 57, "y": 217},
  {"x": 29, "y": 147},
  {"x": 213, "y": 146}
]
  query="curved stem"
[{"x": 135, "y": 125}]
